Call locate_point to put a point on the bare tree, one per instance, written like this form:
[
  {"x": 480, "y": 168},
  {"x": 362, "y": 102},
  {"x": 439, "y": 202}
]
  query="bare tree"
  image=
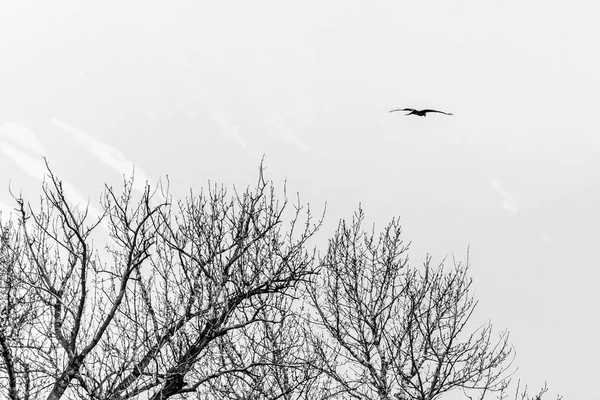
[
  {"x": 221, "y": 265},
  {"x": 152, "y": 314},
  {"x": 205, "y": 298},
  {"x": 522, "y": 393},
  {"x": 69, "y": 280},
  {"x": 389, "y": 330},
  {"x": 17, "y": 314},
  {"x": 282, "y": 361}
]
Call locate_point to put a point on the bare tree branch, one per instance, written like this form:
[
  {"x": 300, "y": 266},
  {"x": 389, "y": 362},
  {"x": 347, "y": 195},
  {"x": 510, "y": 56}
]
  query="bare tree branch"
[
  {"x": 217, "y": 296},
  {"x": 400, "y": 330}
]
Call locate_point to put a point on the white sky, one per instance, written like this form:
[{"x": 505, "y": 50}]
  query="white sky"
[{"x": 201, "y": 90}]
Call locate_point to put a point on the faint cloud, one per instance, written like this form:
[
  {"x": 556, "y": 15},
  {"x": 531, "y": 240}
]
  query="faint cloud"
[
  {"x": 32, "y": 166},
  {"x": 231, "y": 131},
  {"x": 546, "y": 238},
  {"x": 37, "y": 169},
  {"x": 297, "y": 142},
  {"x": 277, "y": 124},
  {"x": 21, "y": 135},
  {"x": 510, "y": 204},
  {"x": 105, "y": 153},
  {"x": 322, "y": 152}
]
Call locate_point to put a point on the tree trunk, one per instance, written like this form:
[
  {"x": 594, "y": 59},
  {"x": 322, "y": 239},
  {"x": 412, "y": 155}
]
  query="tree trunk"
[
  {"x": 8, "y": 361},
  {"x": 62, "y": 383},
  {"x": 172, "y": 386}
]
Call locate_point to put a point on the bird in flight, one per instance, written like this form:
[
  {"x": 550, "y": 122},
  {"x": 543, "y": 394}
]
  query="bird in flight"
[{"x": 420, "y": 113}]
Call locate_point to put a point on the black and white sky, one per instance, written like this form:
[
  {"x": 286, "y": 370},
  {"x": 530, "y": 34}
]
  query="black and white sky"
[{"x": 202, "y": 90}]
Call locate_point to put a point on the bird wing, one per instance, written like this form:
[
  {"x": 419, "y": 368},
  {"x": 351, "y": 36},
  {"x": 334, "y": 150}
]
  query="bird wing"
[
  {"x": 436, "y": 111},
  {"x": 402, "y": 109}
]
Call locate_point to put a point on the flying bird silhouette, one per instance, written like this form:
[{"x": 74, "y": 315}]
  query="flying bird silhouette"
[{"x": 420, "y": 113}]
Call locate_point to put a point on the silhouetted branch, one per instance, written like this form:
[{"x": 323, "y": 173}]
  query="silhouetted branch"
[{"x": 398, "y": 330}]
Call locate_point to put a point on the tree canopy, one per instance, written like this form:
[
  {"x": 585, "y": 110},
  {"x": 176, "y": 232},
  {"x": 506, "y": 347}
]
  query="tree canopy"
[{"x": 220, "y": 296}]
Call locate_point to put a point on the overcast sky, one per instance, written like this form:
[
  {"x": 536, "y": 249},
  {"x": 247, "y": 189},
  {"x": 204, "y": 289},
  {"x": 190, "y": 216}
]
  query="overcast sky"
[{"x": 202, "y": 90}]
